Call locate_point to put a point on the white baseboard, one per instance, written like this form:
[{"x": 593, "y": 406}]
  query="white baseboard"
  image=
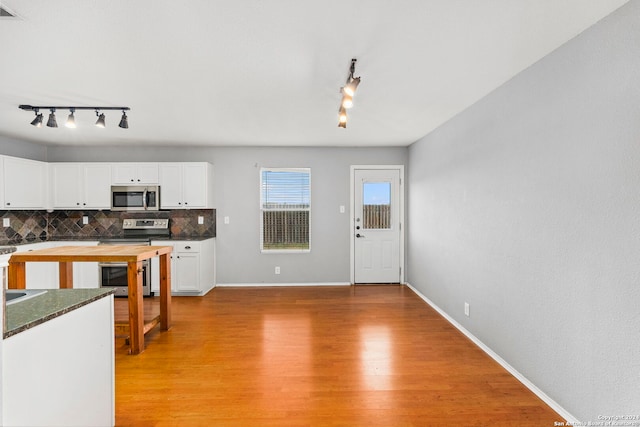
[
  {"x": 266, "y": 285},
  {"x": 531, "y": 386}
]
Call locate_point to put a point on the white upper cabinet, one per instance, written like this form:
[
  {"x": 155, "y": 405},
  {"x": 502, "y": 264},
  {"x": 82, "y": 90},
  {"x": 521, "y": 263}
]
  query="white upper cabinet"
[
  {"x": 81, "y": 185},
  {"x": 134, "y": 173},
  {"x": 24, "y": 183},
  {"x": 186, "y": 185}
]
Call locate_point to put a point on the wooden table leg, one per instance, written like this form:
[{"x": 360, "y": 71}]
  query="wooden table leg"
[
  {"x": 165, "y": 292},
  {"x": 136, "y": 308},
  {"x": 65, "y": 274},
  {"x": 17, "y": 275}
]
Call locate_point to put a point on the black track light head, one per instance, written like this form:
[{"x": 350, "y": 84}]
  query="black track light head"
[
  {"x": 37, "y": 122},
  {"x": 52, "y": 123},
  {"x": 101, "y": 120},
  {"x": 71, "y": 120},
  {"x": 124, "y": 121}
]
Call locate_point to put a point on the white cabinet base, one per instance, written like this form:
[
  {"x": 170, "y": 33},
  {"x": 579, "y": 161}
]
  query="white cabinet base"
[{"x": 61, "y": 373}]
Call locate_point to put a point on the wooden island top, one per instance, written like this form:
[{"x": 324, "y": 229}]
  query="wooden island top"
[
  {"x": 104, "y": 253},
  {"x": 65, "y": 256}
]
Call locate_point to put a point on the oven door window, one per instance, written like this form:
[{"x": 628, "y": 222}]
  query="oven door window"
[{"x": 116, "y": 275}]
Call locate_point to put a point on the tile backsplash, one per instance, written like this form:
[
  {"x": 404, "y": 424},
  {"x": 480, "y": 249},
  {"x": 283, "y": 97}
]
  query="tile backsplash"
[{"x": 37, "y": 226}]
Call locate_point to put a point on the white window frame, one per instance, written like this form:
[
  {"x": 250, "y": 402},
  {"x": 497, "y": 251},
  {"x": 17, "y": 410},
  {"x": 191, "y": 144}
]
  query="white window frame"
[{"x": 262, "y": 209}]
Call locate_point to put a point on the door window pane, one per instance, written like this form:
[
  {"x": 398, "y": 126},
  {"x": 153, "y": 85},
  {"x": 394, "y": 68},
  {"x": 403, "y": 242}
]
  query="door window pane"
[{"x": 376, "y": 205}]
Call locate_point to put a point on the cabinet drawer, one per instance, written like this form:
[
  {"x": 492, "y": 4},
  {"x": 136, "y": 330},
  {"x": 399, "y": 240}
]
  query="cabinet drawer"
[{"x": 187, "y": 247}]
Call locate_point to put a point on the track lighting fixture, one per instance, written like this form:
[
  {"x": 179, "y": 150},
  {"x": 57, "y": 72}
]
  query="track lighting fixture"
[
  {"x": 350, "y": 88},
  {"x": 348, "y": 91},
  {"x": 347, "y": 101},
  {"x": 342, "y": 117},
  {"x": 52, "y": 123},
  {"x": 71, "y": 120},
  {"x": 101, "y": 120},
  {"x": 37, "y": 122},
  {"x": 124, "y": 121}
]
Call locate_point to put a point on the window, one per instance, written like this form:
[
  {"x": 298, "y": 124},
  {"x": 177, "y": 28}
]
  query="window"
[
  {"x": 376, "y": 209},
  {"x": 285, "y": 204}
]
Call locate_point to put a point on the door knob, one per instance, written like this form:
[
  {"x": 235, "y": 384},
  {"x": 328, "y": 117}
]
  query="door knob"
[{"x": 359, "y": 235}]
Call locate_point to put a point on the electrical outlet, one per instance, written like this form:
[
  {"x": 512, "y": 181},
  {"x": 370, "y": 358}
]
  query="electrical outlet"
[
  {"x": 466, "y": 309},
  {"x": 277, "y": 269},
  {"x": 6, "y": 222},
  {"x": 85, "y": 220},
  {"x": 226, "y": 220},
  {"x": 200, "y": 220},
  {"x": 341, "y": 208}
]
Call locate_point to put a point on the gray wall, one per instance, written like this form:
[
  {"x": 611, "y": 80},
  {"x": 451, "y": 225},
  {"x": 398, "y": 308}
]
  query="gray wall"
[
  {"x": 527, "y": 206},
  {"x": 18, "y": 148},
  {"x": 237, "y": 196}
]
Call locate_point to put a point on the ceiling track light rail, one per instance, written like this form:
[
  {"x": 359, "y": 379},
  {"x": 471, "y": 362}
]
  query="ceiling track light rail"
[
  {"x": 71, "y": 120},
  {"x": 348, "y": 91}
]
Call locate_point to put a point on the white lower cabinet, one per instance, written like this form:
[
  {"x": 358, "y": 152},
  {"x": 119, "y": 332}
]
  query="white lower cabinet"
[
  {"x": 192, "y": 267},
  {"x": 61, "y": 372}
]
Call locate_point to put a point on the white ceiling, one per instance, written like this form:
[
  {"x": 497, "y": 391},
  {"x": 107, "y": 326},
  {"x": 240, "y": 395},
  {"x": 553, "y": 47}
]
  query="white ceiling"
[{"x": 257, "y": 72}]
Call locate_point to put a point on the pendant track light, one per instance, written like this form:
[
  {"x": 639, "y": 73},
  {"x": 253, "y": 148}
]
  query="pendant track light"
[
  {"x": 342, "y": 117},
  {"x": 71, "y": 119},
  {"x": 350, "y": 88},
  {"x": 101, "y": 120},
  {"x": 52, "y": 123},
  {"x": 124, "y": 121},
  {"x": 348, "y": 91},
  {"x": 37, "y": 122}
]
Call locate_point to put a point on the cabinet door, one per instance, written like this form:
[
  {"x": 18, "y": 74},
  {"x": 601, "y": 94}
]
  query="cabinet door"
[
  {"x": 147, "y": 173},
  {"x": 171, "y": 185},
  {"x": 187, "y": 271},
  {"x": 24, "y": 184},
  {"x": 97, "y": 185},
  {"x": 194, "y": 185},
  {"x": 124, "y": 173},
  {"x": 66, "y": 186}
]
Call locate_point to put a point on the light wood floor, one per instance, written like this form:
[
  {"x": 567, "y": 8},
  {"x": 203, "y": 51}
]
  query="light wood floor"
[{"x": 318, "y": 356}]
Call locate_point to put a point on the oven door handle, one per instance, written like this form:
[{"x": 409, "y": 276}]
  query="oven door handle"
[
  {"x": 144, "y": 199},
  {"x": 112, "y": 264},
  {"x": 145, "y": 263}
]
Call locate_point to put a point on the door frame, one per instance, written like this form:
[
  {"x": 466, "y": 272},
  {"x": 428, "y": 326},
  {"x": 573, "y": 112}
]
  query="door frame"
[{"x": 352, "y": 209}]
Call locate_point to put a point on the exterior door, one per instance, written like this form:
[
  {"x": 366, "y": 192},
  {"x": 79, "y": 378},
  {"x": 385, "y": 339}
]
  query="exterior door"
[{"x": 377, "y": 225}]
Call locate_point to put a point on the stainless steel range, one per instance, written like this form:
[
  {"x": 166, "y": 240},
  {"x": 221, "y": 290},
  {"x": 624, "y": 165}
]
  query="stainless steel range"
[{"x": 138, "y": 232}]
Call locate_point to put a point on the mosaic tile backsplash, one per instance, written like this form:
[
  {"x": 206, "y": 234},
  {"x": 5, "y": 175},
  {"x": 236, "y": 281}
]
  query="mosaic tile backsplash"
[{"x": 37, "y": 226}]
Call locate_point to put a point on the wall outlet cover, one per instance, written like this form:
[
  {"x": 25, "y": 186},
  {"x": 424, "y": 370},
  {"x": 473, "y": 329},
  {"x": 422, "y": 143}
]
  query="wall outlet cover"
[
  {"x": 200, "y": 220},
  {"x": 6, "y": 222},
  {"x": 466, "y": 309},
  {"x": 85, "y": 220}
]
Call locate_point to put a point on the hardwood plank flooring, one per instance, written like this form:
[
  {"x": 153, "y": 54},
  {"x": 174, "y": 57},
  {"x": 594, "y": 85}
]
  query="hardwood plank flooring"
[{"x": 316, "y": 356}]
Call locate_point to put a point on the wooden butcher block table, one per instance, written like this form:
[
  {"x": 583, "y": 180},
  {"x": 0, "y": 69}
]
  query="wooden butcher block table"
[{"x": 65, "y": 256}]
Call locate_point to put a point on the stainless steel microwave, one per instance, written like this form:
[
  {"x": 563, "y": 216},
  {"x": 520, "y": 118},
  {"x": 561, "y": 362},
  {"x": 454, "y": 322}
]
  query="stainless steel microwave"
[{"x": 135, "y": 198}]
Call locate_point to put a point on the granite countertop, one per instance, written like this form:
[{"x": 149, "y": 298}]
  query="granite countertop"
[
  {"x": 4, "y": 250},
  {"x": 55, "y": 302},
  {"x": 94, "y": 239},
  {"x": 192, "y": 238}
]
